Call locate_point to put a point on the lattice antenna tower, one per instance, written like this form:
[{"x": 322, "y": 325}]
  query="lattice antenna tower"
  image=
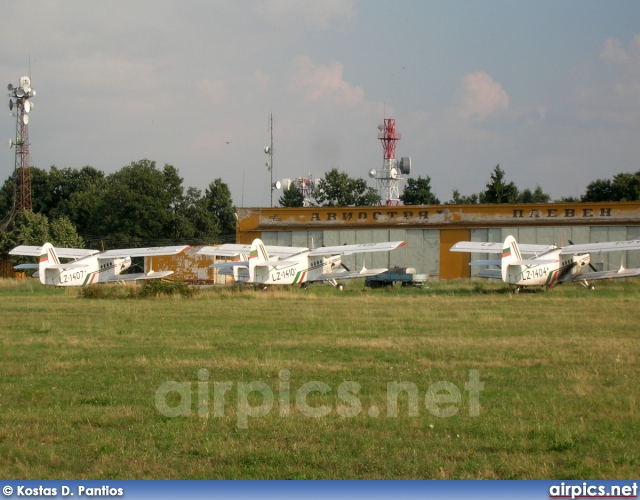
[
  {"x": 306, "y": 185},
  {"x": 269, "y": 150},
  {"x": 388, "y": 178},
  {"x": 20, "y": 105}
]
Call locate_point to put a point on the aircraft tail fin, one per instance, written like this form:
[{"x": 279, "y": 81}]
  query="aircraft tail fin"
[
  {"x": 258, "y": 256},
  {"x": 510, "y": 255},
  {"x": 48, "y": 257}
]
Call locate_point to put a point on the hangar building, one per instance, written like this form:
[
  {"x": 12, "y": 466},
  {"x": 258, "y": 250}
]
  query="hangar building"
[{"x": 431, "y": 230}]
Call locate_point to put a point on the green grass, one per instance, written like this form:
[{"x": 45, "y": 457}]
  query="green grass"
[{"x": 79, "y": 375}]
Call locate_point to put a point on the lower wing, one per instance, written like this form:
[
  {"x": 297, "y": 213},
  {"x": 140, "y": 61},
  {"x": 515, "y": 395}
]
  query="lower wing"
[
  {"x": 605, "y": 275},
  {"x": 345, "y": 275},
  {"x": 152, "y": 275}
]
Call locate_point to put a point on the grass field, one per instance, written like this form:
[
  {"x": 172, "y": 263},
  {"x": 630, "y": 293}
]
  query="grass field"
[{"x": 84, "y": 391}]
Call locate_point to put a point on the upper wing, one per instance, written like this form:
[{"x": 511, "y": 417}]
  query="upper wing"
[
  {"x": 605, "y": 246},
  {"x": 65, "y": 253},
  {"x": 142, "y": 252},
  {"x": 232, "y": 250},
  {"x": 362, "y": 248},
  {"x": 495, "y": 247}
]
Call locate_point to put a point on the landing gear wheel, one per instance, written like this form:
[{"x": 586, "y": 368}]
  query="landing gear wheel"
[
  {"x": 304, "y": 285},
  {"x": 340, "y": 287},
  {"x": 592, "y": 287},
  {"x": 516, "y": 290}
]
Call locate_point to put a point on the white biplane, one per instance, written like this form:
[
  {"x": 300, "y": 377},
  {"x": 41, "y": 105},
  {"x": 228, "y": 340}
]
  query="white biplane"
[
  {"x": 550, "y": 264},
  {"x": 87, "y": 267},
  {"x": 280, "y": 265}
]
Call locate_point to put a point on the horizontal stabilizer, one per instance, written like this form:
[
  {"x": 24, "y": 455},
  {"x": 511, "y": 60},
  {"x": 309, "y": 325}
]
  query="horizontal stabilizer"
[
  {"x": 493, "y": 274},
  {"x": 485, "y": 263},
  {"x": 26, "y": 266}
]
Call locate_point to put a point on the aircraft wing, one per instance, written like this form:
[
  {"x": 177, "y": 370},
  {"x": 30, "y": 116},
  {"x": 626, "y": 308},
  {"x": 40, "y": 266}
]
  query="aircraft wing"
[
  {"x": 152, "y": 275},
  {"x": 232, "y": 250},
  {"x": 141, "y": 252},
  {"x": 485, "y": 263},
  {"x": 496, "y": 247},
  {"x": 345, "y": 275},
  {"x": 494, "y": 274},
  {"x": 230, "y": 265},
  {"x": 604, "y": 275},
  {"x": 605, "y": 246},
  {"x": 361, "y": 248},
  {"x": 20, "y": 267},
  {"x": 65, "y": 253}
]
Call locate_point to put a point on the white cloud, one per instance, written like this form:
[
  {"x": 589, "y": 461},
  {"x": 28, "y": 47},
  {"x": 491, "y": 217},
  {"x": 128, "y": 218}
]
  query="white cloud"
[
  {"x": 320, "y": 81},
  {"x": 614, "y": 51},
  {"x": 610, "y": 94},
  {"x": 479, "y": 96}
]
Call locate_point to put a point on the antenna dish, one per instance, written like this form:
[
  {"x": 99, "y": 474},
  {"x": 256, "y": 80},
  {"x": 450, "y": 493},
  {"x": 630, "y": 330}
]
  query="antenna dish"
[
  {"x": 19, "y": 92},
  {"x": 286, "y": 184},
  {"x": 277, "y": 185},
  {"x": 372, "y": 173},
  {"x": 10, "y": 143},
  {"x": 27, "y": 106},
  {"x": 267, "y": 149},
  {"x": 25, "y": 119},
  {"x": 405, "y": 165},
  {"x": 31, "y": 105},
  {"x": 381, "y": 127},
  {"x": 10, "y": 105},
  {"x": 9, "y": 87}
]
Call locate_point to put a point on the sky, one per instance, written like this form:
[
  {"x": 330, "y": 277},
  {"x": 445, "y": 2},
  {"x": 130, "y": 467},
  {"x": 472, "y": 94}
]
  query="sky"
[{"x": 547, "y": 89}]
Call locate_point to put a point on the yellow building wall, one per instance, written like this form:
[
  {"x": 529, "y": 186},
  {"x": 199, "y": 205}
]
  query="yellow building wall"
[{"x": 453, "y": 265}]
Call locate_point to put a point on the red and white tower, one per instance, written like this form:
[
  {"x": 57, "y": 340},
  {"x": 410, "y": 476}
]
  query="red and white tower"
[{"x": 388, "y": 178}]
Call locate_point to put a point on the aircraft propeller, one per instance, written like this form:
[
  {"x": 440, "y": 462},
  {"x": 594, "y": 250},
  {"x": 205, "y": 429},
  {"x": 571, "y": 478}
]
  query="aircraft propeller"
[{"x": 590, "y": 264}]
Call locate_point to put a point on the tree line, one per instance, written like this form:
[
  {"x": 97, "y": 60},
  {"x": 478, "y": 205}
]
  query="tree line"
[
  {"x": 138, "y": 205},
  {"x": 143, "y": 205},
  {"x": 338, "y": 189}
]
